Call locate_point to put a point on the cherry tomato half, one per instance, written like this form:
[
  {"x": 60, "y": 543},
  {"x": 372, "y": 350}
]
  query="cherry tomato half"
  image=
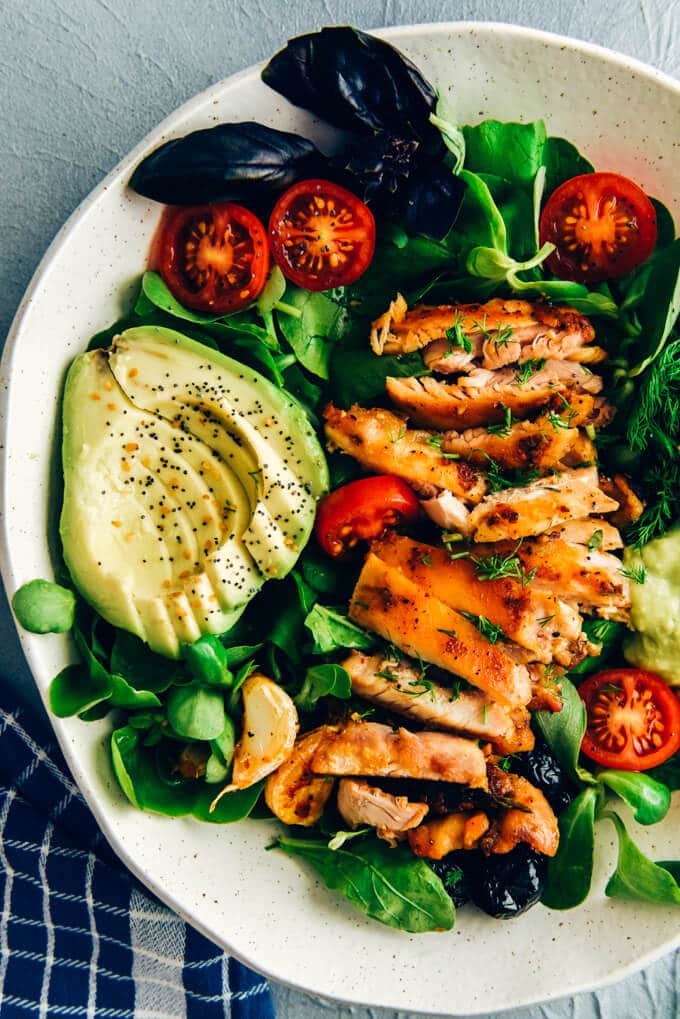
[
  {"x": 321, "y": 235},
  {"x": 363, "y": 510},
  {"x": 633, "y": 719},
  {"x": 602, "y": 224},
  {"x": 213, "y": 258}
]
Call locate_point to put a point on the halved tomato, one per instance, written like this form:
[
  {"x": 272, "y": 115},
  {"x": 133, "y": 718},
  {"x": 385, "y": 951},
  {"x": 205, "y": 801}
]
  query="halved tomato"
[
  {"x": 602, "y": 224},
  {"x": 214, "y": 258},
  {"x": 363, "y": 510},
  {"x": 633, "y": 719},
  {"x": 321, "y": 235}
]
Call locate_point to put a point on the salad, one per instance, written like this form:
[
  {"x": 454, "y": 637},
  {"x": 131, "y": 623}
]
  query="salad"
[{"x": 369, "y": 501}]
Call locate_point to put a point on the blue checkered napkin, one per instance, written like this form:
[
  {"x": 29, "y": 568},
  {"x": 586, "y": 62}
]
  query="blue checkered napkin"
[{"x": 78, "y": 935}]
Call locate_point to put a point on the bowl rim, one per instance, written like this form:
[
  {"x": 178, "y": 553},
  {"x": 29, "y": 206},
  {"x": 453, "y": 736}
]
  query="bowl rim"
[{"x": 8, "y": 573}]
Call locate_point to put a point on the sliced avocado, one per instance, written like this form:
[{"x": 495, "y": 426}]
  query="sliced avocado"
[{"x": 188, "y": 481}]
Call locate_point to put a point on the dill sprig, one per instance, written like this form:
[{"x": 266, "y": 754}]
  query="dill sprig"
[
  {"x": 502, "y": 429},
  {"x": 527, "y": 368},
  {"x": 456, "y": 337},
  {"x": 487, "y": 629}
]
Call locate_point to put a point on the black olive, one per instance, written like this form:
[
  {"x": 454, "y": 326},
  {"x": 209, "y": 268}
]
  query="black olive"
[
  {"x": 510, "y": 883},
  {"x": 455, "y": 877},
  {"x": 543, "y": 769}
]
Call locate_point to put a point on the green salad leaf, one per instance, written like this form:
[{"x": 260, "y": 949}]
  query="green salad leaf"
[
  {"x": 74, "y": 690},
  {"x": 648, "y": 799},
  {"x": 570, "y": 872},
  {"x": 636, "y": 877},
  {"x": 333, "y": 631},
  {"x": 509, "y": 150},
  {"x": 44, "y": 607},
  {"x": 207, "y": 659},
  {"x": 196, "y": 711},
  {"x": 563, "y": 732},
  {"x": 387, "y": 884},
  {"x": 323, "y": 681},
  {"x": 311, "y": 335},
  {"x": 659, "y": 307}
]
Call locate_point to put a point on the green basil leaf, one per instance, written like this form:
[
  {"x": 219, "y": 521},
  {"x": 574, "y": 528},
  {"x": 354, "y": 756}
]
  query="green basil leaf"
[
  {"x": 44, "y": 607},
  {"x": 134, "y": 660},
  {"x": 207, "y": 661},
  {"x": 637, "y": 877},
  {"x": 312, "y": 334},
  {"x": 323, "y": 681},
  {"x": 333, "y": 631},
  {"x": 570, "y": 872},
  {"x": 648, "y": 799},
  {"x": 659, "y": 308},
  {"x": 231, "y": 807},
  {"x": 510, "y": 150},
  {"x": 196, "y": 712},
  {"x": 563, "y": 732},
  {"x": 73, "y": 690},
  {"x": 137, "y": 773},
  {"x": 386, "y": 884}
]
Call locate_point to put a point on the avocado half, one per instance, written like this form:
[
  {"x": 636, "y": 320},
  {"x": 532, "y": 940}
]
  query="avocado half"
[{"x": 189, "y": 480}]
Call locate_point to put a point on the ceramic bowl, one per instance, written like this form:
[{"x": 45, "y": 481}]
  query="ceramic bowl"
[{"x": 266, "y": 908}]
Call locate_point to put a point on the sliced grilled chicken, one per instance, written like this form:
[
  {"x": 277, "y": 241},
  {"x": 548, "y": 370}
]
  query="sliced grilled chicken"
[
  {"x": 587, "y": 577},
  {"x": 393, "y": 606},
  {"x": 400, "y": 686},
  {"x": 369, "y": 748},
  {"x": 520, "y": 512},
  {"x": 533, "y": 821},
  {"x": 499, "y": 332},
  {"x": 582, "y": 408},
  {"x": 448, "y": 512},
  {"x": 542, "y": 443},
  {"x": 436, "y": 839},
  {"x": 533, "y": 619},
  {"x": 631, "y": 505},
  {"x": 483, "y": 396},
  {"x": 380, "y": 441},
  {"x": 293, "y": 793},
  {"x": 594, "y": 532},
  {"x": 363, "y": 804}
]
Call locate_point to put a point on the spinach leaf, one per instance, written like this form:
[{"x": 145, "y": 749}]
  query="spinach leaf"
[
  {"x": 155, "y": 294},
  {"x": 134, "y": 660},
  {"x": 244, "y": 162},
  {"x": 570, "y": 871},
  {"x": 636, "y": 877},
  {"x": 73, "y": 691},
  {"x": 241, "y": 653},
  {"x": 139, "y": 778},
  {"x": 609, "y": 634},
  {"x": 333, "y": 631},
  {"x": 396, "y": 269},
  {"x": 668, "y": 773},
  {"x": 386, "y": 884},
  {"x": 221, "y": 754},
  {"x": 321, "y": 572},
  {"x": 44, "y": 607},
  {"x": 207, "y": 661},
  {"x": 563, "y": 732},
  {"x": 196, "y": 712},
  {"x": 648, "y": 799},
  {"x": 510, "y": 150},
  {"x": 354, "y": 81},
  {"x": 311, "y": 335},
  {"x": 665, "y": 227},
  {"x": 659, "y": 307},
  {"x": 232, "y": 806},
  {"x": 322, "y": 681},
  {"x": 288, "y": 602},
  {"x": 562, "y": 161},
  {"x": 358, "y": 375}
]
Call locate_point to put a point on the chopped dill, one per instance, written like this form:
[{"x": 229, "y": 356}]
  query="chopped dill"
[
  {"x": 502, "y": 429},
  {"x": 487, "y": 629},
  {"x": 638, "y": 574},
  {"x": 528, "y": 368},
  {"x": 455, "y": 690},
  {"x": 595, "y": 540},
  {"x": 545, "y": 620},
  {"x": 400, "y": 435},
  {"x": 456, "y": 337},
  {"x": 557, "y": 422}
]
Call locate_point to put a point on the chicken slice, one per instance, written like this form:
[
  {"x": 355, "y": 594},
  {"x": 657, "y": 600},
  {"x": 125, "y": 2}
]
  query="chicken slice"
[
  {"x": 516, "y": 513},
  {"x": 589, "y": 578},
  {"x": 594, "y": 532},
  {"x": 499, "y": 331},
  {"x": 436, "y": 839},
  {"x": 399, "y": 686},
  {"x": 369, "y": 748},
  {"x": 448, "y": 512},
  {"x": 483, "y": 396},
  {"x": 380, "y": 441},
  {"x": 533, "y": 619},
  {"x": 583, "y": 409},
  {"x": 631, "y": 505},
  {"x": 363, "y": 804},
  {"x": 395, "y": 607},
  {"x": 533, "y": 820},
  {"x": 542, "y": 443}
]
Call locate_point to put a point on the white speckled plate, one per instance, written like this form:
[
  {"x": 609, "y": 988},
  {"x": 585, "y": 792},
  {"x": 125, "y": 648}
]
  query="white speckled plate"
[{"x": 264, "y": 907}]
